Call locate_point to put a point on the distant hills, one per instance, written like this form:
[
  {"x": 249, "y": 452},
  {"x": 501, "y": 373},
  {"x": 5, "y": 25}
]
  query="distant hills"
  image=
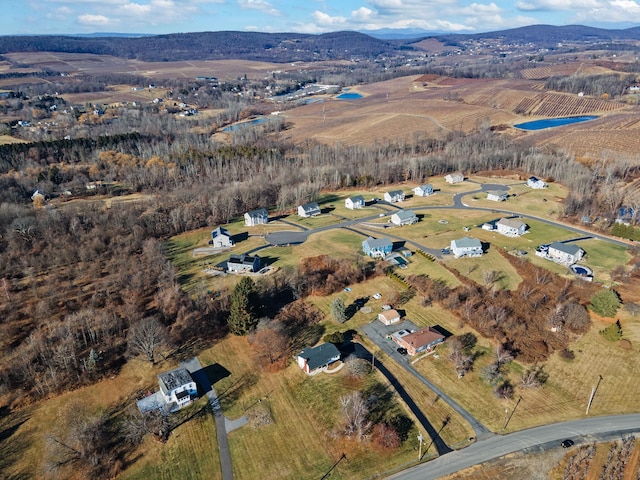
[{"x": 292, "y": 47}]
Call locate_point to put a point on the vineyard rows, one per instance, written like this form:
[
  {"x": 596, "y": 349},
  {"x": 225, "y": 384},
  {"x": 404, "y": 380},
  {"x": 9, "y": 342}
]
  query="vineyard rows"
[{"x": 556, "y": 105}]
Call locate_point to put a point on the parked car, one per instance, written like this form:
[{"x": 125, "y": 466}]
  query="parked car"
[
  {"x": 402, "y": 350},
  {"x": 567, "y": 443}
]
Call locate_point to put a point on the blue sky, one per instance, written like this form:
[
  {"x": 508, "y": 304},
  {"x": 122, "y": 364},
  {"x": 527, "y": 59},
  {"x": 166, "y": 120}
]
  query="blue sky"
[{"x": 305, "y": 16}]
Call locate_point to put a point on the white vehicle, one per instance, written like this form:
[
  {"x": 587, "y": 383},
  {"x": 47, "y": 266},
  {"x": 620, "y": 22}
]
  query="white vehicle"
[{"x": 377, "y": 296}]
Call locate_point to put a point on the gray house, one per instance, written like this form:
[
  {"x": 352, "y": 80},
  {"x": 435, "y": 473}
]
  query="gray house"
[
  {"x": 243, "y": 263},
  {"x": 565, "y": 253},
  {"x": 404, "y": 217},
  {"x": 377, "y": 247},
  {"x": 452, "y": 178},
  {"x": 220, "y": 238},
  {"x": 466, "y": 247},
  {"x": 256, "y": 217}
]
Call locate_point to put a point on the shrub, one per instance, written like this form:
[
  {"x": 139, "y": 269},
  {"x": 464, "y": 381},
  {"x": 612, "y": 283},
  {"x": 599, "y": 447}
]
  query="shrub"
[
  {"x": 335, "y": 337},
  {"x": 613, "y": 332},
  {"x": 605, "y": 302}
]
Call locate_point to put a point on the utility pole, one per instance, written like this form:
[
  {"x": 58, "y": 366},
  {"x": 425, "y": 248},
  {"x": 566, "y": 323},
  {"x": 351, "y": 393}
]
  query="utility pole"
[
  {"x": 326, "y": 475},
  {"x": 420, "y": 439},
  {"x": 512, "y": 412},
  {"x": 593, "y": 394}
]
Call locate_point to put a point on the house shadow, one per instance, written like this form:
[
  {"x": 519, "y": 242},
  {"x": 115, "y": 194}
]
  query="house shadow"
[
  {"x": 327, "y": 209},
  {"x": 216, "y": 372},
  {"x": 485, "y": 246},
  {"x": 240, "y": 237},
  {"x": 442, "y": 331},
  {"x": 267, "y": 260},
  {"x": 399, "y": 244}
]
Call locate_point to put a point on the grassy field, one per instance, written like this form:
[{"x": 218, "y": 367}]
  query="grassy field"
[
  {"x": 297, "y": 444},
  {"x": 475, "y": 269},
  {"x": 4, "y": 139}
]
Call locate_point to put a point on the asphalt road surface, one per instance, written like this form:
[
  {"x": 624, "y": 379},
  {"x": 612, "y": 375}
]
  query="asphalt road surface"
[{"x": 534, "y": 439}]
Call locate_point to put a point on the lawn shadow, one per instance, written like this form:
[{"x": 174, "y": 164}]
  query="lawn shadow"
[{"x": 216, "y": 372}]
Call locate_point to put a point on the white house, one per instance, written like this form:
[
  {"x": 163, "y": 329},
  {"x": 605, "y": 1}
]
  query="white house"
[
  {"x": 256, "y": 217},
  {"x": 389, "y": 317},
  {"x": 314, "y": 360},
  {"x": 455, "y": 177},
  {"x": 536, "y": 183},
  {"x": 404, "y": 217},
  {"x": 496, "y": 195},
  {"x": 511, "y": 227},
  {"x": 220, "y": 238},
  {"x": 354, "y": 202},
  {"x": 466, "y": 247},
  {"x": 177, "y": 387},
  {"x": 394, "y": 196},
  {"x": 243, "y": 263},
  {"x": 309, "y": 210},
  {"x": 565, "y": 253},
  {"x": 423, "y": 190}
]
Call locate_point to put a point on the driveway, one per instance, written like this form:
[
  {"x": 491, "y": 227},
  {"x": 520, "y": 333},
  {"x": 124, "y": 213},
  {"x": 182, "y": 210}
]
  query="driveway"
[{"x": 378, "y": 332}]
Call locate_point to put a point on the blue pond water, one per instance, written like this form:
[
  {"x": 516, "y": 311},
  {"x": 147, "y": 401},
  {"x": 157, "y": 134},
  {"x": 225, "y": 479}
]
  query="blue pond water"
[
  {"x": 238, "y": 126},
  {"x": 349, "y": 96},
  {"x": 553, "y": 122}
]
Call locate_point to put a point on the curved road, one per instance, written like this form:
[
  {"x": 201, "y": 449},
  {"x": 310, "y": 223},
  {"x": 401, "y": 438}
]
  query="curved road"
[{"x": 534, "y": 439}]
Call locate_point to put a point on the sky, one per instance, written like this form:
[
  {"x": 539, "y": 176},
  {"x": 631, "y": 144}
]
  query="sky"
[{"x": 303, "y": 16}]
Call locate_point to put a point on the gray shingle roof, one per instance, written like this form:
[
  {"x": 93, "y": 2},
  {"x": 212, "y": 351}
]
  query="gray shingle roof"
[{"x": 320, "y": 355}]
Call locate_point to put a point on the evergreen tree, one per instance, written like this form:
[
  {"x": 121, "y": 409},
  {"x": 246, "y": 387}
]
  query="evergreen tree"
[
  {"x": 338, "y": 310},
  {"x": 242, "y": 318}
]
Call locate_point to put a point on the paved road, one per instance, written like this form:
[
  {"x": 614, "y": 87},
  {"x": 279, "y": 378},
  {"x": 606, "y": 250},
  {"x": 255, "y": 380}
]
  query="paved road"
[
  {"x": 534, "y": 439},
  {"x": 377, "y": 332}
]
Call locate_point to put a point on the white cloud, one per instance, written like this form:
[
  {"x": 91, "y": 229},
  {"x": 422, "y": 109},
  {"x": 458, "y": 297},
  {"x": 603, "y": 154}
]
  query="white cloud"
[
  {"x": 481, "y": 9},
  {"x": 261, "y": 5},
  {"x": 94, "y": 20},
  {"x": 324, "y": 20},
  {"x": 613, "y": 11},
  {"x": 558, "y": 5},
  {"x": 362, "y": 14}
]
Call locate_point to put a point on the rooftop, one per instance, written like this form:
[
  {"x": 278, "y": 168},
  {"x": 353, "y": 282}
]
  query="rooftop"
[
  {"x": 320, "y": 355},
  {"x": 174, "y": 378}
]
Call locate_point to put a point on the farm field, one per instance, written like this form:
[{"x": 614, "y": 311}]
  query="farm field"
[
  {"x": 382, "y": 113},
  {"x": 9, "y": 139}
]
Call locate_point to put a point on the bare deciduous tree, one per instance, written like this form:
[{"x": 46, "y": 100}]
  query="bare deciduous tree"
[
  {"x": 146, "y": 337},
  {"x": 354, "y": 411}
]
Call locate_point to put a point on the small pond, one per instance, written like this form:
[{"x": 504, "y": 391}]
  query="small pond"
[
  {"x": 238, "y": 126},
  {"x": 349, "y": 96},
  {"x": 553, "y": 122}
]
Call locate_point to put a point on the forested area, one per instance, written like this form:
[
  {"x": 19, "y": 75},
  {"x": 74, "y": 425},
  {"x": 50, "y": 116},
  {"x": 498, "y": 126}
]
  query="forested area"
[{"x": 77, "y": 278}]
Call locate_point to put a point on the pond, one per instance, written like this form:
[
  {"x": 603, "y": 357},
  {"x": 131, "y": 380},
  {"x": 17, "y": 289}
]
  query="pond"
[
  {"x": 553, "y": 122},
  {"x": 349, "y": 96},
  {"x": 238, "y": 126}
]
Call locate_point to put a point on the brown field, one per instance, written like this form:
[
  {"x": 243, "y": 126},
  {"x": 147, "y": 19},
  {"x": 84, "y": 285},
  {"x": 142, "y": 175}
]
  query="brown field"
[
  {"x": 409, "y": 107},
  {"x": 103, "y": 64},
  {"x": 9, "y": 139}
]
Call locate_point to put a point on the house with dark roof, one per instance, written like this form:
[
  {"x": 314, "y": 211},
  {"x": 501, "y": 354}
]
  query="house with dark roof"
[
  {"x": 314, "y": 360},
  {"x": 309, "y": 210},
  {"x": 221, "y": 238},
  {"x": 243, "y": 263},
  {"x": 178, "y": 387},
  {"x": 565, "y": 253},
  {"x": 625, "y": 215},
  {"x": 423, "y": 340},
  {"x": 466, "y": 247},
  {"x": 256, "y": 217},
  {"x": 404, "y": 217},
  {"x": 377, "y": 247},
  {"x": 536, "y": 183},
  {"x": 423, "y": 190},
  {"x": 354, "y": 202},
  {"x": 394, "y": 196}
]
